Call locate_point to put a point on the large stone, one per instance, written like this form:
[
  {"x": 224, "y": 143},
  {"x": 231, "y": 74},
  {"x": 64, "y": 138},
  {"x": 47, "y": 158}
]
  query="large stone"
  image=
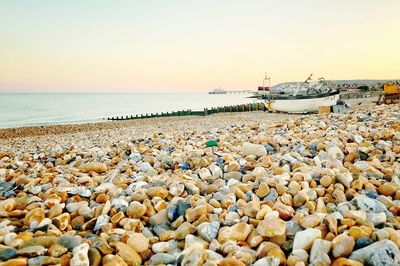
[
  {"x": 128, "y": 254},
  {"x": 238, "y": 232},
  {"x": 253, "y": 149},
  {"x": 319, "y": 248},
  {"x": 80, "y": 255},
  {"x": 304, "y": 239},
  {"x": 271, "y": 227},
  {"x": 32, "y": 251},
  {"x": 138, "y": 242},
  {"x": 380, "y": 253},
  {"x": 97, "y": 167}
]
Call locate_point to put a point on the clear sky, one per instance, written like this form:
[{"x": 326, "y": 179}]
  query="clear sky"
[{"x": 188, "y": 45}]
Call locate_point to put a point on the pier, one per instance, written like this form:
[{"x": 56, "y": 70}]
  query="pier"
[{"x": 232, "y": 92}]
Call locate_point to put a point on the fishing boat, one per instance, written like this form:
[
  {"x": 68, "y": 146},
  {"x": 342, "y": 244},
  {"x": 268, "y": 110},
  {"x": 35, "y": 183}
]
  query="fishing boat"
[{"x": 303, "y": 97}]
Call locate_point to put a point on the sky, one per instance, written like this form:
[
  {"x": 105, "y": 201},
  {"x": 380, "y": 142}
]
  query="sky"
[{"x": 187, "y": 45}]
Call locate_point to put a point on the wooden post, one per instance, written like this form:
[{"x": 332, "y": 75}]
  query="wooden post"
[{"x": 205, "y": 111}]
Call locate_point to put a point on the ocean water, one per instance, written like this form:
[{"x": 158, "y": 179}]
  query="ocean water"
[{"x": 35, "y": 109}]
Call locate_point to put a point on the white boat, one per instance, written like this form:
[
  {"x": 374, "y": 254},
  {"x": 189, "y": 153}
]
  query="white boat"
[{"x": 304, "y": 97}]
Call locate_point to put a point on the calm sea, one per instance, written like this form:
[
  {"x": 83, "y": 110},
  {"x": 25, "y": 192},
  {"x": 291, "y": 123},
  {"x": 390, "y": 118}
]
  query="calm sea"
[{"x": 34, "y": 109}]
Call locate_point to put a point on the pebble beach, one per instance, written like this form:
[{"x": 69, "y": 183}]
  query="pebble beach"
[{"x": 228, "y": 189}]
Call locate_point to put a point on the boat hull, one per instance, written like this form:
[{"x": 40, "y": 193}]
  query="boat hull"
[{"x": 307, "y": 105}]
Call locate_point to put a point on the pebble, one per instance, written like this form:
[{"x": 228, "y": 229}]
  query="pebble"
[
  {"x": 271, "y": 227},
  {"x": 315, "y": 190},
  {"x": 304, "y": 239},
  {"x": 342, "y": 245},
  {"x": 383, "y": 252},
  {"x": 80, "y": 255}
]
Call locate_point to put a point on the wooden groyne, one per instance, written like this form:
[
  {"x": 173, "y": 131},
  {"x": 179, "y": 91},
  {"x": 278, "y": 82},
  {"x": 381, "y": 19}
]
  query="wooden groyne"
[
  {"x": 231, "y": 108},
  {"x": 206, "y": 111}
]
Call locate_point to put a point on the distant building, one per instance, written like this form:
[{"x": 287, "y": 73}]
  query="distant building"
[{"x": 218, "y": 91}]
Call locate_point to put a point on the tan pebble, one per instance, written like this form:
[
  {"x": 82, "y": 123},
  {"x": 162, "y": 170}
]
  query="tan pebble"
[
  {"x": 278, "y": 253},
  {"x": 299, "y": 199},
  {"x": 55, "y": 211},
  {"x": 263, "y": 190},
  {"x": 34, "y": 215},
  {"x": 310, "y": 221},
  {"x": 114, "y": 261},
  {"x": 238, "y": 232},
  {"x": 102, "y": 198},
  {"x": 346, "y": 262},
  {"x": 388, "y": 189},
  {"x": 157, "y": 192},
  {"x": 342, "y": 245},
  {"x": 138, "y": 242},
  {"x": 116, "y": 218},
  {"x": 325, "y": 181},
  {"x": 193, "y": 214},
  {"x": 128, "y": 254},
  {"x": 271, "y": 227},
  {"x": 62, "y": 221},
  {"x": 57, "y": 250},
  {"x": 97, "y": 167},
  {"x": 24, "y": 236},
  {"x": 136, "y": 210},
  {"x": 15, "y": 262},
  {"x": 230, "y": 262}
]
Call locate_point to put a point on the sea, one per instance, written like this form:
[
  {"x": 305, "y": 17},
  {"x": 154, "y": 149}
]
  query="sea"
[{"x": 38, "y": 109}]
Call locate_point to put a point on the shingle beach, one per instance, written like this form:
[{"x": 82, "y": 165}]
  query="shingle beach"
[{"x": 230, "y": 189}]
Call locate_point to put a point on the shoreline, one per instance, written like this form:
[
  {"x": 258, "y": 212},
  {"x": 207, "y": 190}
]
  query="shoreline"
[{"x": 60, "y": 129}]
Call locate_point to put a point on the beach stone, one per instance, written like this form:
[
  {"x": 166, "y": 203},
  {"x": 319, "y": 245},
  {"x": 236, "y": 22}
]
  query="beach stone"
[
  {"x": 310, "y": 221},
  {"x": 362, "y": 242},
  {"x": 94, "y": 257},
  {"x": 43, "y": 260},
  {"x": 176, "y": 189},
  {"x": 388, "y": 189},
  {"x": 271, "y": 227},
  {"x": 267, "y": 261},
  {"x": 56, "y": 250},
  {"x": 253, "y": 149},
  {"x": 233, "y": 166},
  {"x": 160, "y": 247},
  {"x": 138, "y": 242},
  {"x": 380, "y": 253},
  {"x": 70, "y": 242},
  {"x": 263, "y": 190},
  {"x": 97, "y": 167},
  {"x": 304, "y": 239},
  {"x": 103, "y": 247},
  {"x": 346, "y": 262},
  {"x": 7, "y": 254},
  {"x": 342, "y": 245},
  {"x": 130, "y": 256},
  {"x": 184, "y": 229},
  {"x": 238, "y": 232},
  {"x": 345, "y": 179},
  {"x": 80, "y": 255},
  {"x": 208, "y": 231},
  {"x": 136, "y": 210},
  {"x": 44, "y": 241},
  {"x": 162, "y": 258},
  {"x": 32, "y": 251},
  {"x": 320, "y": 248},
  {"x": 299, "y": 199},
  {"x": 161, "y": 216}
]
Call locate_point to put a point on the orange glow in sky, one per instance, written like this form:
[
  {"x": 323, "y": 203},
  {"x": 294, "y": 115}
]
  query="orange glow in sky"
[{"x": 193, "y": 45}]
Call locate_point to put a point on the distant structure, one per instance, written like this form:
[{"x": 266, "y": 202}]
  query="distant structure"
[
  {"x": 218, "y": 91},
  {"x": 222, "y": 91}
]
